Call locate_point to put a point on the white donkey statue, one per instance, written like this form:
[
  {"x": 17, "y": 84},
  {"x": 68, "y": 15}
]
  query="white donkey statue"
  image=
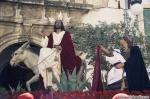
[{"x": 30, "y": 59}]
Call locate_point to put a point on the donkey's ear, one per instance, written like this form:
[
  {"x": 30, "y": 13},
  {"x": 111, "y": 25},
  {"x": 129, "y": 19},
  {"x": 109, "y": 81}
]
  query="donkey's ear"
[{"x": 25, "y": 45}]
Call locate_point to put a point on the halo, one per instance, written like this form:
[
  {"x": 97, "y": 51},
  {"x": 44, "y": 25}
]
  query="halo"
[{"x": 61, "y": 16}]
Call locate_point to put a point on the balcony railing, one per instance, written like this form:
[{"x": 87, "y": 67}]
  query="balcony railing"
[
  {"x": 77, "y": 4},
  {"x": 72, "y": 4},
  {"x": 71, "y": 1},
  {"x": 41, "y": 2}
]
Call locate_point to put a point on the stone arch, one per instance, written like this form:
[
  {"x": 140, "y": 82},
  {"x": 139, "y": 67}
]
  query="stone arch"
[
  {"x": 13, "y": 75},
  {"x": 12, "y": 38}
]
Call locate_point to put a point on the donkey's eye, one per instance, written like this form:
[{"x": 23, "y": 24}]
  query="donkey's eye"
[
  {"x": 21, "y": 52},
  {"x": 13, "y": 54}
]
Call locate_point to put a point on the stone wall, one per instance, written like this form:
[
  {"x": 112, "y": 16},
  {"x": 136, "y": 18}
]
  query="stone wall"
[{"x": 23, "y": 20}]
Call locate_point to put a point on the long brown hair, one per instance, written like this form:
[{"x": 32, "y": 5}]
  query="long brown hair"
[
  {"x": 128, "y": 39},
  {"x": 62, "y": 27}
]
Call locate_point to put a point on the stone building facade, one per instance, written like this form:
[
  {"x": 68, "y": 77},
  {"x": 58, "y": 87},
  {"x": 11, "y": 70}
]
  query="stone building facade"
[{"x": 21, "y": 20}]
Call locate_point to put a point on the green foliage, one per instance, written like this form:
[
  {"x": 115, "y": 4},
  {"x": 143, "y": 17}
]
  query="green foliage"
[
  {"x": 71, "y": 83},
  {"x": 86, "y": 37},
  {"x": 63, "y": 86}
]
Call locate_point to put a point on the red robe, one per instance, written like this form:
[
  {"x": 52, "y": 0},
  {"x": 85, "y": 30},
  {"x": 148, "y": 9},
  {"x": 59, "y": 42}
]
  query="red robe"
[
  {"x": 97, "y": 84},
  {"x": 68, "y": 58}
]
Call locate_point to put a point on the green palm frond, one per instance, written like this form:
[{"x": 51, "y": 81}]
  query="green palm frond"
[
  {"x": 72, "y": 81},
  {"x": 71, "y": 84},
  {"x": 63, "y": 86},
  {"x": 17, "y": 89}
]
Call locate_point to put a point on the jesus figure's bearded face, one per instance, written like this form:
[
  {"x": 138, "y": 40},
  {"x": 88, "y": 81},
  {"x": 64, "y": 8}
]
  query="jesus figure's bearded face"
[{"x": 58, "y": 24}]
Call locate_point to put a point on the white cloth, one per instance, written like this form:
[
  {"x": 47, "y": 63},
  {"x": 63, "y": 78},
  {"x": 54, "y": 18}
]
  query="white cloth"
[
  {"x": 44, "y": 41},
  {"x": 114, "y": 74},
  {"x": 116, "y": 58},
  {"x": 47, "y": 59},
  {"x": 57, "y": 37}
]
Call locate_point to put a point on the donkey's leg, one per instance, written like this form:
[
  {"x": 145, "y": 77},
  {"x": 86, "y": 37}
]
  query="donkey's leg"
[{"x": 32, "y": 80}]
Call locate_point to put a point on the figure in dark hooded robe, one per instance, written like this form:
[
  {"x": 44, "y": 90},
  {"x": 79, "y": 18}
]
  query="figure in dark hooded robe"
[{"x": 134, "y": 66}]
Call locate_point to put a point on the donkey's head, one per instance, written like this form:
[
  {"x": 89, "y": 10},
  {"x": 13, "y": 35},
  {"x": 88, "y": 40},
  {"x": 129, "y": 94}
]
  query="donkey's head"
[{"x": 19, "y": 55}]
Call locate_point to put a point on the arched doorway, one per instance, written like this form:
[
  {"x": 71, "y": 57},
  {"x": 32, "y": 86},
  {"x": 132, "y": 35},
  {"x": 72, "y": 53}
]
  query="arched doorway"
[{"x": 12, "y": 76}]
